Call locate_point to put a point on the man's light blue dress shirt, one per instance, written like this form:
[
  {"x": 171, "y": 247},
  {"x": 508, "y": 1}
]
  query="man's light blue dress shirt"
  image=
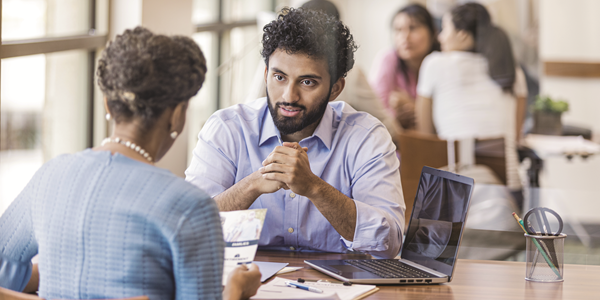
[{"x": 350, "y": 150}]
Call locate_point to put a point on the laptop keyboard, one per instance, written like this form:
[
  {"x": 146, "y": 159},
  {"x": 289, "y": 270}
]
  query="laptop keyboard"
[{"x": 389, "y": 268}]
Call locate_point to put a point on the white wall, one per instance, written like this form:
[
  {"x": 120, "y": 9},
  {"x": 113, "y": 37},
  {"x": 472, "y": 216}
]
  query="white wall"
[
  {"x": 124, "y": 15},
  {"x": 570, "y": 31},
  {"x": 172, "y": 17},
  {"x": 370, "y": 23}
]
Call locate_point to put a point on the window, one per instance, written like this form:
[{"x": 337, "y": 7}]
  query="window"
[
  {"x": 228, "y": 34},
  {"x": 48, "y": 52}
]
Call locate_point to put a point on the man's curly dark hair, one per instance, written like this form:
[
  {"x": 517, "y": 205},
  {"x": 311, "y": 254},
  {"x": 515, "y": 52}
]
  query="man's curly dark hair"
[
  {"x": 314, "y": 33},
  {"x": 142, "y": 73}
]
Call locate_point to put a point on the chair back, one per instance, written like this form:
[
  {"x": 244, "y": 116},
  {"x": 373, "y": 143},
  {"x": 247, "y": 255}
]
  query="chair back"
[
  {"x": 421, "y": 149},
  {"x": 416, "y": 151}
]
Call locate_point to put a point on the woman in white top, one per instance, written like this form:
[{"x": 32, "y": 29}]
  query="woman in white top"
[{"x": 469, "y": 90}]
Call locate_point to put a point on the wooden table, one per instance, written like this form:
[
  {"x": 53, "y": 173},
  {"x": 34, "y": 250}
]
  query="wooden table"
[{"x": 473, "y": 279}]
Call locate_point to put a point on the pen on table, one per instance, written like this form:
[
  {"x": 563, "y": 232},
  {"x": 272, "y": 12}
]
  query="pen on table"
[
  {"x": 539, "y": 247},
  {"x": 302, "y": 286},
  {"x": 345, "y": 283}
]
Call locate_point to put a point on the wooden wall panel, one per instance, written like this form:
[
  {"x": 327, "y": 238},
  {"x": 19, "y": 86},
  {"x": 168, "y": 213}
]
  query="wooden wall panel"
[{"x": 572, "y": 69}]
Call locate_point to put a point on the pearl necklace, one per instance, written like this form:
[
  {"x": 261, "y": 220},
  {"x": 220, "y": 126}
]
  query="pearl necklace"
[{"x": 128, "y": 144}]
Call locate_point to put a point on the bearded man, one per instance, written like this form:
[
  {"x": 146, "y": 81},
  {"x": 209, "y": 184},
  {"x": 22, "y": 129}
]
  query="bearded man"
[{"x": 327, "y": 174}]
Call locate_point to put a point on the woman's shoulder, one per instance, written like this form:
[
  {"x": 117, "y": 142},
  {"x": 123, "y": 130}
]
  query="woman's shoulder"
[
  {"x": 159, "y": 183},
  {"x": 169, "y": 188},
  {"x": 435, "y": 57},
  {"x": 169, "y": 199},
  {"x": 450, "y": 57},
  {"x": 389, "y": 55},
  {"x": 433, "y": 60},
  {"x": 465, "y": 57},
  {"x": 384, "y": 63},
  {"x": 455, "y": 60}
]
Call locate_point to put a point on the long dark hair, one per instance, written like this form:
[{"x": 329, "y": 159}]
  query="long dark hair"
[
  {"x": 490, "y": 41},
  {"x": 422, "y": 16}
]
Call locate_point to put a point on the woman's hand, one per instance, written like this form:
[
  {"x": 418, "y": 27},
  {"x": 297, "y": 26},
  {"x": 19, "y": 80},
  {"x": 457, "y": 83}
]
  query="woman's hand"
[
  {"x": 243, "y": 282},
  {"x": 404, "y": 106}
]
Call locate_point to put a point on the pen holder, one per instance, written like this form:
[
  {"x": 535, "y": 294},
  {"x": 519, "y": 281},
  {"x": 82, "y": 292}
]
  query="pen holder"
[{"x": 544, "y": 257}]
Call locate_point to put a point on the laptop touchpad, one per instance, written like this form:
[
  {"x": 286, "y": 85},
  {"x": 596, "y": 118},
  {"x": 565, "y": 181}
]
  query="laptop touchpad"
[{"x": 347, "y": 268}]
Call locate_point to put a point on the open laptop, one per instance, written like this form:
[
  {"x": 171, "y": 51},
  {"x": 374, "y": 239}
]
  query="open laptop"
[{"x": 430, "y": 247}]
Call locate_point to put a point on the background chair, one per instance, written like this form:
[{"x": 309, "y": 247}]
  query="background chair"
[
  {"x": 490, "y": 232},
  {"x": 418, "y": 150}
]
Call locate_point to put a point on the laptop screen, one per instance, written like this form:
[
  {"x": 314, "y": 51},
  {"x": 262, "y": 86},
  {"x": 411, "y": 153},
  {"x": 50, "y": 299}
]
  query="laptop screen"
[{"x": 437, "y": 220}]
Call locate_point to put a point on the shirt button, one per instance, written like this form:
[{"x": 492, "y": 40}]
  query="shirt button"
[
  {"x": 292, "y": 248},
  {"x": 293, "y": 195},
  {"x": 291, "y": 230}
]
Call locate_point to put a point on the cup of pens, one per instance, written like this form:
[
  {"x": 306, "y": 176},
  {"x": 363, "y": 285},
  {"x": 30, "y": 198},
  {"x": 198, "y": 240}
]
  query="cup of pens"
[
  {"x": 545, "y": 244},
  {"x": 544, "y": 257}
]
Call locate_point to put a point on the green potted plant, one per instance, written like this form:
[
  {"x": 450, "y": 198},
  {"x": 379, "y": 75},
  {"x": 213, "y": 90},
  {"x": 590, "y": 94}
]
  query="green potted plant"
[{"x": 547, "y": 115}]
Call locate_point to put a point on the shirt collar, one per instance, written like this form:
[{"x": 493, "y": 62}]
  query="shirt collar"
[
  {"x": 324, "y": 130},
  {"x": 269, "y": 130}
]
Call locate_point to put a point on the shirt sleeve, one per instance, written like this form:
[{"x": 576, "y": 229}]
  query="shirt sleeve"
[
  {"x": 427, "y": 75},
  {"x": 212, "y": 168},
  {"x": 377, "y": 194},
  {"x": 197, "y": 248},
  {"x": 17, "y": 242}
]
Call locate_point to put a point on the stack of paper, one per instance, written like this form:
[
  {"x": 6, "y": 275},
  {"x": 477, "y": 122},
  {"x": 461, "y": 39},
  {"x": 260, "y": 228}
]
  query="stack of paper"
[
  {"x": 268, "y": 269},
  {"x": 277, "y": 289}
]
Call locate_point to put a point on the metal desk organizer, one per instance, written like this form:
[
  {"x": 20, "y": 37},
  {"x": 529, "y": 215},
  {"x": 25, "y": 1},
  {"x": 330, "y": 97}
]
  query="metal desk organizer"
[{"x": 544, "y": 245}]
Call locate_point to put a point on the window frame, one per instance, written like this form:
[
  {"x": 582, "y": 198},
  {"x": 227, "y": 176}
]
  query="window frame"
[
  {"x": 221, "y": 28},
  {"x": 91, "y": 42}
]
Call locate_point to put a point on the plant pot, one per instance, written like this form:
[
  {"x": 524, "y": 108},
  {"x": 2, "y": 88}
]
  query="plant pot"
[{"x": 548, "y": 123}]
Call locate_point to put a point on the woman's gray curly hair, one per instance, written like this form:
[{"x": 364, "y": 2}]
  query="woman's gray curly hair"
[{"x": 142, "y": 73}]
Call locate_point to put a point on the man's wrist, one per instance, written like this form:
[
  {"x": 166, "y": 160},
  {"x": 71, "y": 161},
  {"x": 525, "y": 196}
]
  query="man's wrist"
[
  {"x": 251, "y": 186},
  {"x": 315, "y": 189}
]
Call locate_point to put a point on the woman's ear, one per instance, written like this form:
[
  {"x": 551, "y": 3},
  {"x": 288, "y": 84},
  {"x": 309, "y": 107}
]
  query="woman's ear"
[
  {"x": 465, "y": 39},
  {"x": 178, "y": 117},
  {"x": 337, "y": 88},
  {"x": 106, "y": 105}
]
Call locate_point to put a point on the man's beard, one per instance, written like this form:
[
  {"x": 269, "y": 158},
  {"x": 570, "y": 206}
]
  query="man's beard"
[{"x": 289, "y": 125}]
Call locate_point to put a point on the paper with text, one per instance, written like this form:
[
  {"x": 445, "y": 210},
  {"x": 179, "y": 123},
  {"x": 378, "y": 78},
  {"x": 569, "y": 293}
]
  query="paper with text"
[
  {"x": 241, "y": 231},
  {"x": 278, "y": 290}
]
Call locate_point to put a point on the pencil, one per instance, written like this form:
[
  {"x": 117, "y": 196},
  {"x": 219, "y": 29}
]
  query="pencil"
[{"x": 539, "y": 247}]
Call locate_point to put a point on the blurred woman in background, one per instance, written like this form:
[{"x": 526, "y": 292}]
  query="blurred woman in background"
[
  {"x": 106, "y": 222},
  {"x": 394, "y": 77},
  {"x": 469, "y": 90}
]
